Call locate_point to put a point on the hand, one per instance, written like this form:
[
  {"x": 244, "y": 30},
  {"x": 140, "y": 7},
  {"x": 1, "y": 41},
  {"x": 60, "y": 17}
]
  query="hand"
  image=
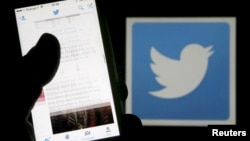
[
  {"x": 131, "y": 125},
  {"x": 26, "y": 78},
  {"x": 23, "y": 84}
]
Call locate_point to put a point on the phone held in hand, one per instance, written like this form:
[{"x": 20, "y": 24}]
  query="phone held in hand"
[{"x": 80, "y": 102}]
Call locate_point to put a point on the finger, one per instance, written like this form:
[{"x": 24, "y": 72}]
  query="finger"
[
  {"x": 42, "y": 61},
  {"x": 38, "y": 67},
  {"x": 131, "y": 127},
  {"x": 122, "y": 90}
]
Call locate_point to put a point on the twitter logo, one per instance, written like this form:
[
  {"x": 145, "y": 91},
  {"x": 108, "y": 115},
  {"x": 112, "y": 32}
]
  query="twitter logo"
[
  {"x": 180, "y": 77},
  {"x": 56, "y": 12},
  {"x": 180, "y": 71}
]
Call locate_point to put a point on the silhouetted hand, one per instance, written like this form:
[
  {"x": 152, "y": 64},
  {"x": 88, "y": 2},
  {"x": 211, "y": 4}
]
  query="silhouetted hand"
[{"x": 24, "y": 84}]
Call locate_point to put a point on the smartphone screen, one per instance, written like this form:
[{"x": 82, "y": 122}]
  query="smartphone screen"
[{"x": 78, "y": 103}]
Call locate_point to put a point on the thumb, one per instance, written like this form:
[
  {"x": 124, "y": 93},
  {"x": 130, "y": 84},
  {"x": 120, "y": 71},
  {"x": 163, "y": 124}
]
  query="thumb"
[
  {"x": 42, "y": 61},
  {"x": 38, "y": 67}
]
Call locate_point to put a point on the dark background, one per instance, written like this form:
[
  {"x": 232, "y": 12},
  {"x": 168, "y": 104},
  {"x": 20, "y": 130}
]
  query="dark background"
[{"x": 117, "y": 11}]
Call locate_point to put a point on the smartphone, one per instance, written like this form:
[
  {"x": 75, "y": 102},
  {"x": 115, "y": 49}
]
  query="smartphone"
[{"x": 81, "y": 101}]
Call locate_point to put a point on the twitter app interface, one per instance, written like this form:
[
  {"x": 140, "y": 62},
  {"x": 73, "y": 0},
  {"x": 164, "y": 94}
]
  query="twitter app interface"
[{"x": 77, "y": 104}]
